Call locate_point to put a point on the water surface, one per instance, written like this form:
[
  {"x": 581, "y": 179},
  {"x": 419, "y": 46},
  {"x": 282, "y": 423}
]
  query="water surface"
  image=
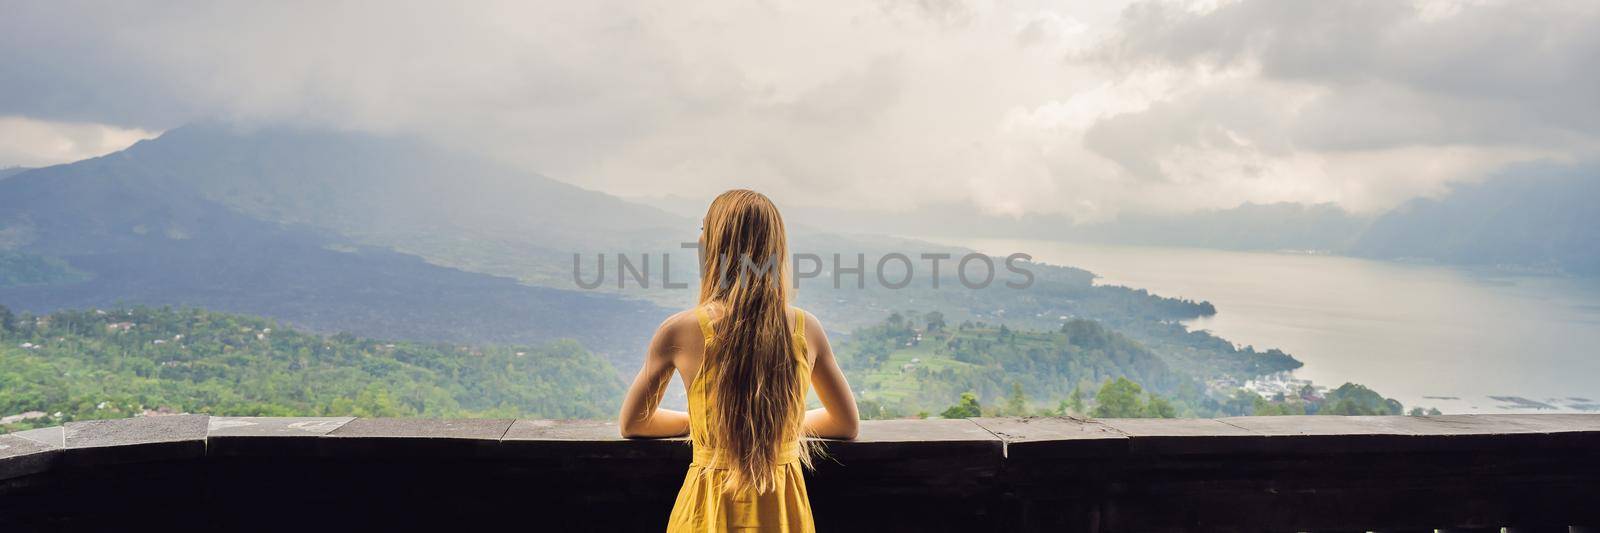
[{"x": 1426, "y": 335}]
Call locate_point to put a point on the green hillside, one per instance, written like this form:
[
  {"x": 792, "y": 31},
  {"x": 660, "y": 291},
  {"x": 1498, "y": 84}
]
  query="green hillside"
[
  {"x": 916, "y": 364},
  {"x": 19, "y": 269},
  {"x": 120, "y": 362},
  {"x": 912, "y": 364}
]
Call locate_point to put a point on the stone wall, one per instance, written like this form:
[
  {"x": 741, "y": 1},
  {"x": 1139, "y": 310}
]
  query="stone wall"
[{"x": 200, "y": 473}]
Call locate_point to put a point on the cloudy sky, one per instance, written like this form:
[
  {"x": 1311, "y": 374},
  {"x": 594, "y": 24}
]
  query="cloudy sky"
[{"x": 1085, "y": 108}]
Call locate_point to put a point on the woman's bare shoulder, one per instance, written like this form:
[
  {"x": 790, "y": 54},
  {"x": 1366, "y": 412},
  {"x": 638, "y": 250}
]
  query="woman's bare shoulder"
[
  {"x": 678, "y": 330},
  {"x": 813, "y": 326},
  {"x": 683, "y": 321}
]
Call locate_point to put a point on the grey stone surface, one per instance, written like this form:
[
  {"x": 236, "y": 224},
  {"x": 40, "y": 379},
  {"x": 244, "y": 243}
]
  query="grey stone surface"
[
  {"x": 424, "y": 428},
  {"x": 1054, "y": 437},
  {"x": 125, "y": 440},
  {"x": 924, "y": 475},
  {"x": 54, "y": 436},
  {"x": 932, "y": 439},
  {"x": 416, "y": 437},
  {"x": 586, "y": 439},
  {"x": 1446, "y": 429},
  {"x": 238, "y": 436},
  {"x": 20, "y": 457},
  {"x": 929, "y": 430},
  {"x": 565, "y": 430},
  {"x": 1173, "y": 427},
  {"x": 135, "y": 431},
  {"x": 1179, "y": 436},
  {"x": 1335, "y": 434},
  {"x": 1311, "y": 425},
  {"x": 254, "y": 426},
  {"x": 1515, "y": 424}
]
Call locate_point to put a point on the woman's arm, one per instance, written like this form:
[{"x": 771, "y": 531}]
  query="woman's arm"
[
  {"x": 837, "y": 419},
  {"x": 641, "y": 415}
]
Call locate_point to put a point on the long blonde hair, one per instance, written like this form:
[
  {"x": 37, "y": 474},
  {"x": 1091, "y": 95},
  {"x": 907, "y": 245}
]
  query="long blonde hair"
[{"x": 756, "y": 395}]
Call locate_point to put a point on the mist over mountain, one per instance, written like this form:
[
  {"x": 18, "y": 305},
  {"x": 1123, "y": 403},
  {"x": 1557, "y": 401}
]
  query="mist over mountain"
[
  {"x": 201, "y": 218},
  {"x": 392, "y": 238},
  {"x": 1280, "y": 226},
  {"x": 1245, "y": 227},
  {"x": 401, "y": 193},
  {"x": 1537, "y": 217}
]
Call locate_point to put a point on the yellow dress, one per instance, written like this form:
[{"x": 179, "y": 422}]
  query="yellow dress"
[{"x": 703, "y": 506}]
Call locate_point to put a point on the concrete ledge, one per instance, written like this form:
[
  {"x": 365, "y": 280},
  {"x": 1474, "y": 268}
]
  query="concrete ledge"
[
  {"x": 237, "y": 436},
  {"x": 985, "y": 474},
  {"x": 403, "y": 437},
  {"x": 21, "y": 457},
  {"x": 135, "y": 440}
]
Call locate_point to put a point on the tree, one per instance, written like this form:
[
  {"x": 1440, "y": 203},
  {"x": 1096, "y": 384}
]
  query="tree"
[
  {"x": 935, "y": 321},
  {"x": 1119, "y": 399},
  {"x": 1242, "y": 403},
  {"x": 1075, "y": 401},
  {"x": 1158, "y": 407},
  {"x": 1086, "y": 334},
  {"x": 1354, "y": 399},
  {"x": 1266, "y": 408},
  {"x": 967, "y": 407},
  {"x": 1017, "y": 402},
  {"x": 1122, "y": 399},
  {"x": 8, "y": 320}
]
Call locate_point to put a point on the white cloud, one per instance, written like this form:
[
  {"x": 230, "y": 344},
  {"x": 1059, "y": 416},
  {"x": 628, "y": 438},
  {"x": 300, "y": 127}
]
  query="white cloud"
[
  {"x": 26, "y": 142},
  {"x": 1021, "y": 106}
]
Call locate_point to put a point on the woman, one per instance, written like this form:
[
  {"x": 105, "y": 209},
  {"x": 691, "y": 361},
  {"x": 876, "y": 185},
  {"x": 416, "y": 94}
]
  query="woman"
[{"x": 747, "y": 357}]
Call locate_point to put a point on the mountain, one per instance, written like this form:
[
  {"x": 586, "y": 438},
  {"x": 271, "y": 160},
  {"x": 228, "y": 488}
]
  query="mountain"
[
  {"x": 400, "y": 193},
  {"x": 1542, "y": 218},
  {"x": 1536, "y": 217},
  {"x": 393, "y": 238},
  {"x": 186, "y": 220},
  {"x": 1279, "y": 226},
  {"x": 19, "y": 269}
]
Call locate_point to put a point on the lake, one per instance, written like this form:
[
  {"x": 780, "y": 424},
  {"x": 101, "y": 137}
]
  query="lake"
[{"x": 1426, "y": 335}]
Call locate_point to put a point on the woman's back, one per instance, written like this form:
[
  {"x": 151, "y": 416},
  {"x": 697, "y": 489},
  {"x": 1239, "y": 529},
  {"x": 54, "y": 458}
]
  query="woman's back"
[
  {"x": 702, "y": 504},
  {"x": 747, "y": 359}
]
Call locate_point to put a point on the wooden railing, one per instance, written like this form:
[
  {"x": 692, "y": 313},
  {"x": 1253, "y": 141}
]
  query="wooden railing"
[{"x": 199, "y": 473}]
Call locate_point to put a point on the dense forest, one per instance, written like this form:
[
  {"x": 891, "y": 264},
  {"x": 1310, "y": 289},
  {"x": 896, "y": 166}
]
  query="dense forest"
[
  {"x": 76, "y": 365},
  {"x": 1124, "y": 398},
  {"x": 19, "y": 269},
  {"x": 916, "y": 364},
  {"x": 92, "y": 364}
]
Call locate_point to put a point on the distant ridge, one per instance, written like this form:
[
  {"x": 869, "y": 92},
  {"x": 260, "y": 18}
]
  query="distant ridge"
[
  {"x": 201, "y": 217},
  {"x": 1538, "y": 218},
  {"x": 1541, "y": 218},
  {"x": 393, "y": 238}
]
